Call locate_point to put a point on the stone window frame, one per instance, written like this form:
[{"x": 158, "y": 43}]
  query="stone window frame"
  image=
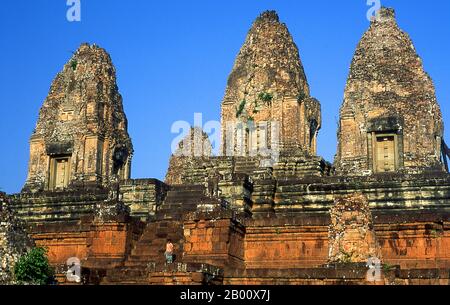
[{"x": 385, "y": 127}]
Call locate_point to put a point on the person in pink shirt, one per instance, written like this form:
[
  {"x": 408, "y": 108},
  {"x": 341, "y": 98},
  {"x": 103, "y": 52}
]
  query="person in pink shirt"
[{"x": 169, "y": 252}]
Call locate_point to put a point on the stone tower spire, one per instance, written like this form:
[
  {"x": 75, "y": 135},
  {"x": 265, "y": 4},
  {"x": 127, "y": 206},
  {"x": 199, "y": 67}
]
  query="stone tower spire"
[
  {"x": 268, "y": 83},
  {"x": 390, "y": 119},
  {"x": 81, "y": 135}
]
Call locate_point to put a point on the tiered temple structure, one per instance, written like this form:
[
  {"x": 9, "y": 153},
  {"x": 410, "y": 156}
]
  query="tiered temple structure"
[{"x": 236, "y": 218}]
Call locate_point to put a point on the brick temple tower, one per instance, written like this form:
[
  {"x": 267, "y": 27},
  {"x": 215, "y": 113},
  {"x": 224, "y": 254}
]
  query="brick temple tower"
[
  {"x": 81, "y": 135},
  {"x": 390, "y": 120},
  {"x": 268, "y": 84}
]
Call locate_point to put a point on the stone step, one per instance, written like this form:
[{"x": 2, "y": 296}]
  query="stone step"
[
  {"x": 151, "y": 245},
  {"x": 125, "y": 280},
  {"x": 188, "y": 187},
  {"x": 181, "y": 197},
  {"x": 178, "y": 206},
  {"x": 156, "y": 245},
  {"x": 144, "y": 260},
  {"x": 149, "y": 249}
]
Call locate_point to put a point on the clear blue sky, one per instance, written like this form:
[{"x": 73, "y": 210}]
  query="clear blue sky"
[{"x": 173, "y": 59}]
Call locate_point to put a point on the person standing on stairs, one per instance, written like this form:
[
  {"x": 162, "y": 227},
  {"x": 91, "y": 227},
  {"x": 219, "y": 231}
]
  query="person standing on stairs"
[{"x": 169, "y": 252}]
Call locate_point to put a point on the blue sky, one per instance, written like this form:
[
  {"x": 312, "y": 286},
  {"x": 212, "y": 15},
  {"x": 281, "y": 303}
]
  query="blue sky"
[{"x": 173, "y": 59}]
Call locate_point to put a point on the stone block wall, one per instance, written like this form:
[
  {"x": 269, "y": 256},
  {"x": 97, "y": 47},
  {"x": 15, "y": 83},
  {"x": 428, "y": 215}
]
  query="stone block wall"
[
  {"x": 423, "y": 242},
  {"x": 143, "y": 196},
  {"x": 336, "y": 275}
]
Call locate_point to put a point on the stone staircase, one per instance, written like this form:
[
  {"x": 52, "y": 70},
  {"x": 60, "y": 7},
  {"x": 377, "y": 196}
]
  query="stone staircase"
[
  {"x": 150, "y": 248},
  {"x": 181, "y": 199}
]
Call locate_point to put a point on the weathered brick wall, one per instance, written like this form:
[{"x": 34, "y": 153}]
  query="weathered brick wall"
[
  {"x": 213, "y": 239},
  {"x": 415, "y": 245},
  {"x": 409, "y": 245},
  {"x": 63, "y": 241},
  {"x": 95, "y": 242},
  {"x": 286, "y": 242}
]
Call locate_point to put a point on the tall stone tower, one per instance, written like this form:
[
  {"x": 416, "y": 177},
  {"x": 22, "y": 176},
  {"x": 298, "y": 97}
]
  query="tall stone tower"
[
  {"x": 81, "y": 135},
  {"x": 268, "y": 84},
  {"x": 390, "y": 120}
]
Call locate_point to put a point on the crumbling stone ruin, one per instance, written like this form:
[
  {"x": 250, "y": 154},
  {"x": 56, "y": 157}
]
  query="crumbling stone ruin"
[
  {"x": 14, "y": 241},
  {"x": 246, "y": 218},
  {"x": 351, "y": 235}
]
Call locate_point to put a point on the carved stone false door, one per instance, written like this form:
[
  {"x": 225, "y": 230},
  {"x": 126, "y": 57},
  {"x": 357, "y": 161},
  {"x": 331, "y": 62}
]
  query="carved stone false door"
[
  {"x": 386, "y": 154},
  {"x": 61, "y": 173}
]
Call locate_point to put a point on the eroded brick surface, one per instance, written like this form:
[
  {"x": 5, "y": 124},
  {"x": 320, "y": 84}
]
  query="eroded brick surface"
[{"x": 351, "y": 233}]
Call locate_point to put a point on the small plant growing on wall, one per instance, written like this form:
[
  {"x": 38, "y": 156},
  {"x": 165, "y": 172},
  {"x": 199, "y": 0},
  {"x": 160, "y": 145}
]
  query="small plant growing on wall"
[
  {"x": 266, "y": 97},
  {"x": 34, "y": 268},
  {"x": 346, "y": 257},
  {"x": 301, "y": 97},
  {"x": 388, "y": 268},
  {"x": 241, "y": 108},
  {"x": 74, "y": 64}
]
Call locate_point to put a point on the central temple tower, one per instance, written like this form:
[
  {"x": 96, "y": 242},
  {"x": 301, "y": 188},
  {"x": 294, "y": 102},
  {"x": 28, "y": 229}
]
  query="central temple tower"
[{"x": 268, "y": 84}]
